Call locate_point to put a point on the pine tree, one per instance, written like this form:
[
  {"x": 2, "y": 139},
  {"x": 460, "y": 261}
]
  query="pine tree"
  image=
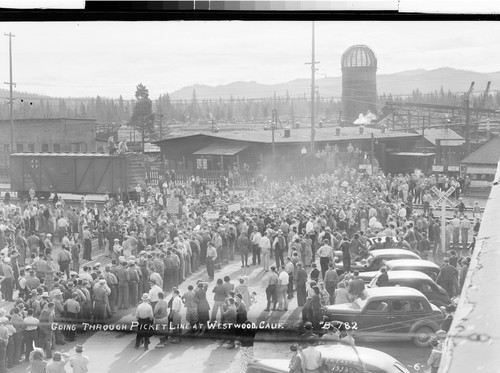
[{"x": 142, "y": 117}]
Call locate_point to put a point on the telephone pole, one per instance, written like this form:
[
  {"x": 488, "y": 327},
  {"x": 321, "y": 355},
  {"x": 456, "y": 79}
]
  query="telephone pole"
[
  {"x": 313, "y": 92},
  {"x": 11, "y": 99}
]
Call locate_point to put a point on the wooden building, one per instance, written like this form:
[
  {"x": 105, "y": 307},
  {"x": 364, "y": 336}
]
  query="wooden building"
[
  {"x": 47, "y": 135},
  {"x": 481, "y": 165},
  {"x": 222, "y": 151}
]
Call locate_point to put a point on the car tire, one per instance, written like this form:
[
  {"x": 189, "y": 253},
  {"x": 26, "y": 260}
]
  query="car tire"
[{"x": 422, "y": 336}]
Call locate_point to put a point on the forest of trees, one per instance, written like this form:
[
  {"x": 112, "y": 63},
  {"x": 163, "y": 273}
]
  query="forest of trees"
[{"x": 196, "y": 110}]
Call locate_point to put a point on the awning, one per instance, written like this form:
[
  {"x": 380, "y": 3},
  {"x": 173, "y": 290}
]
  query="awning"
[
  {"x": 413, "y": 154},
  {"x": 215, "y": 149}
]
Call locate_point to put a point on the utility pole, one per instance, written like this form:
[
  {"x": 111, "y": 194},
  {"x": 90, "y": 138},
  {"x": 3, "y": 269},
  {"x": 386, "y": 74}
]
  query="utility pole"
[
  {"x": 467, "y": 119},
  {"x": 313, "y": 92},
  {"x": 11, "y": 98}
]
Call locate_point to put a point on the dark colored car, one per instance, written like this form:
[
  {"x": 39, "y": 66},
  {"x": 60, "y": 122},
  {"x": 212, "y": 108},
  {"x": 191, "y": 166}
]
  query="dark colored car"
[
  {"x": 377, "y": 258},
  {"x": 389, "y": 313},
  {"x": 431, "y": 269},
  {"x": 338, "y": 358},
  {"x": 416, "y": 280}
]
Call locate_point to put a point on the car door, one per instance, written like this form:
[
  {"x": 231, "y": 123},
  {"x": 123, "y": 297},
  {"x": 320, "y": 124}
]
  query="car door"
[
  {"x": 374, "y": 318},
  {"x": 405, "y": 312}
]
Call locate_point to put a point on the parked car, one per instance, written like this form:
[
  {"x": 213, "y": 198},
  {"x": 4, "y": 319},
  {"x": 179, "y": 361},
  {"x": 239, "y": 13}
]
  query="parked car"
[
  {"x": 389, "y": 313},
  {"x": 338, "y": 358},
  {"x": 416, "y": 280},
  {"x": 431, "y": 269},
  {"x": 376, "y": 259}
]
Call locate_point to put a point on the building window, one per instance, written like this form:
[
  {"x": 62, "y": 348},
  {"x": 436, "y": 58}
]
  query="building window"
[
  {"x": 45, "y": 147},
  {"x": 19, "y": 148},
  {"x": 31, "y": 148},
  {"x": 57, "y": 148},
  {"x": 6, "y": 148},
  {"x": 75, "y": 147}
]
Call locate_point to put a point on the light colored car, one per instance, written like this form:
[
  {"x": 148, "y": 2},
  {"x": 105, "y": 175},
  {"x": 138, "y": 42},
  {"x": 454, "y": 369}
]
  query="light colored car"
[
  {"x": 416, "y": 280},
  {"x": 377, "y": 258},
  {"x": 431, "y": 269},
  {"x": 338, "y": 358}
]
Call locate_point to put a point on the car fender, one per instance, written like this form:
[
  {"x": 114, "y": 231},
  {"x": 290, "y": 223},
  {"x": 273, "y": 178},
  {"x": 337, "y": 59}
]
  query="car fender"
[{"x": 431, "y": 324}]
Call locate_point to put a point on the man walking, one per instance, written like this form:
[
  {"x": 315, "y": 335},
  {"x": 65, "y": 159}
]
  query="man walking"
[
  {"x": 325, "y": 254},
  {"x": 144, "y": 316}
]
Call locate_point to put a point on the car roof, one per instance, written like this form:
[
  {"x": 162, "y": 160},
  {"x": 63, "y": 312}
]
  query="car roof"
[
  {"x": 368, "y": 356},
  {"x": 393, "y": 291},
  {"x": 411, "y": 263},
  {"x": 407, "y": 275},
  {"x": 390, "y": 252}
]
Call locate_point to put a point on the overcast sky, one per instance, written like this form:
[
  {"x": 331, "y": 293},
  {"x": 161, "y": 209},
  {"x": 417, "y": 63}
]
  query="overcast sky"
[{"x": 111, "y": 58}]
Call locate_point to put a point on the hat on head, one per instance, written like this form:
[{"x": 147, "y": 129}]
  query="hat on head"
[
  {"x": 34, "y": 292},
  {"x": 49, "y": 235},
  {"x": 102, "y": 281},
  {"x": 57, "y": 292},
  {"x": 6, "y": 260},
  {"x": 78, "y": 348},
  {"x": 45, "y": 294},
  {"x": 73, "y": 273},
  {"x": 145, "y": 296},
  {"x": 116, "y": 240}
]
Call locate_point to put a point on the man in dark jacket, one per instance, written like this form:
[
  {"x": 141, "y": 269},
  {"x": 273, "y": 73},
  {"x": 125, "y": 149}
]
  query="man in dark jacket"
[{"x": 446, "y": 277}]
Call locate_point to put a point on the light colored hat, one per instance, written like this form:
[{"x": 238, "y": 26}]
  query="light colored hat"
[
  {"x": 45, "y": 294},
  {"x": 78, "y": 348},
  {"x": 57, "y": 292},
  {"x": 145, "y": 296},
  {"x": 116, "y": 240},
  {"x": 6, "y": 260},
  {"x": 49, "y": 235},
  {"x": 102, "y": 282}
]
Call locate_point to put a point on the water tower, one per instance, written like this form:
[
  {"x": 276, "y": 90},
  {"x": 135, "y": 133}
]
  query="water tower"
[{"x": 359, "y": 82}]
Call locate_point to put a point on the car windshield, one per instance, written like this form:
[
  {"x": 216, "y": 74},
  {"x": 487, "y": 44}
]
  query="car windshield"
[
  {"x": 441, "y": 290},
  {"x": 369, "y": 260},
  {"x": 360, "y": 302}
]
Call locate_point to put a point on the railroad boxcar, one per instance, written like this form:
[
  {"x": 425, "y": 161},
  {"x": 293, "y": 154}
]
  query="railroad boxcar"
[{"x": 78, "y": 173}]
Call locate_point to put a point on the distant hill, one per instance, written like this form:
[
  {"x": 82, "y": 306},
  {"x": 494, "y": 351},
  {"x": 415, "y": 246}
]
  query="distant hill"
[{"x": 398, "y": 83}]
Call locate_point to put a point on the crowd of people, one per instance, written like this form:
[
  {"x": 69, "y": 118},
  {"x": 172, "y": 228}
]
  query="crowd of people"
[{"x": 293, "y": 229}]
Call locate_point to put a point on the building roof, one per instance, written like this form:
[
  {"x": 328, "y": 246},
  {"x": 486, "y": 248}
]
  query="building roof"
[
  {"x": 487, "y": 154},
  {"x": 447, "y": 136},
  {"x": 27, "y": 120},
  {"x": 299, "y": 136},
  {"x": 217, "y": 149},
  {"x": 359, "y": 56}
]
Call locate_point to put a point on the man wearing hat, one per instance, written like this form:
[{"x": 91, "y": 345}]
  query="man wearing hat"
[
  {"x": 79, "y": 362},
  {"x": 144, "y": 315},
  {"x": 100, "y": 297},
  {"x": 8, "y": 279},
  {"x": 446, "y": 277},
  {"x": 279, "y": 245}
]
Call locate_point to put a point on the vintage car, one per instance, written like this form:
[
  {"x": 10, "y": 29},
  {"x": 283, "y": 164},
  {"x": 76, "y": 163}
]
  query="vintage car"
[
  {"x": 416, "y": 280},
  {"x": 431, "y": 269},
  {"x": 388, "y": 313},
  {"x": 376, "y": 259},
  {"x": 338, "y": 358}
]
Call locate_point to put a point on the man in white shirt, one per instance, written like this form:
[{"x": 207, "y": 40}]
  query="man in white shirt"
[
  {"x": 153, "y": 293},
  {"x": 283, "y": 281},
  {"x": 312, "y": 358},
  {"x": 265, "y": 248},
  {"x": 465, "y": 226},
  {"x": 176, "y": 316},
  {"x": 144, "y": 316},
  {"x": 255, "y": 238}
]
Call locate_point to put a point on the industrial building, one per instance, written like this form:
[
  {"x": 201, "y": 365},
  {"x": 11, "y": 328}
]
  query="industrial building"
[
  {"x": 481, "y": 165},
  {"x": 359, "y": 82},
  {"x": 47, "y": 135},
  {"x": 199, "y": 153}
]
